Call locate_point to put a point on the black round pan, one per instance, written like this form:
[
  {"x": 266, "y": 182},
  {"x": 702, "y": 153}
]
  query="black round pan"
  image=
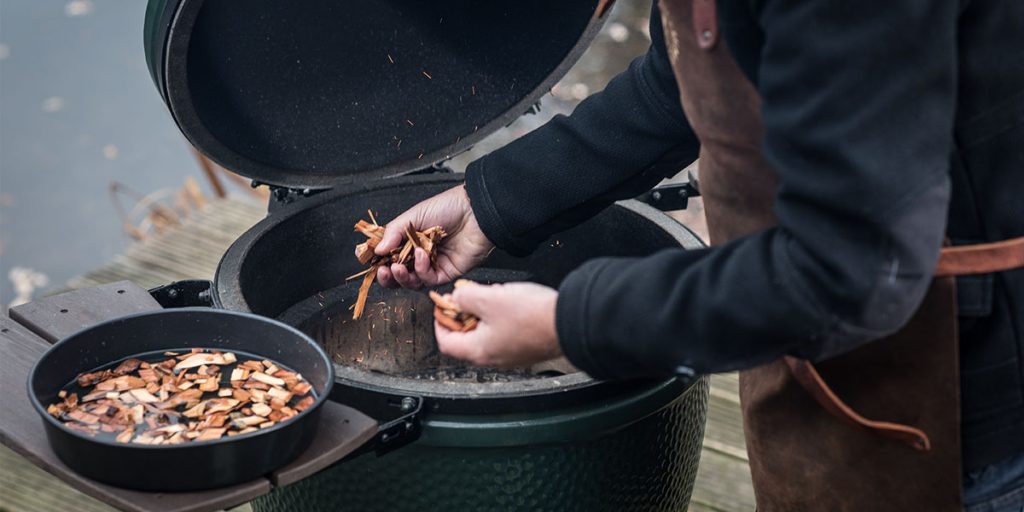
[{"x": 188, "y": 466}]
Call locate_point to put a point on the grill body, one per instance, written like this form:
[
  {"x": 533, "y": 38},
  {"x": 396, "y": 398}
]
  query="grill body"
[
  {"x": 558, "y": 442},
  {"x": 648, "y": 464},
  {"x": 339, "y": 102}
]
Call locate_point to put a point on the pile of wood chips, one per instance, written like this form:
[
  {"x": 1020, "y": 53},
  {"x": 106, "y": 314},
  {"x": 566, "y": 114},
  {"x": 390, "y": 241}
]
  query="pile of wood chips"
[
  {"x": 198, "y": 396},
  {"x": 448, "y": 313},
  {"x": 426, "y": 240}
]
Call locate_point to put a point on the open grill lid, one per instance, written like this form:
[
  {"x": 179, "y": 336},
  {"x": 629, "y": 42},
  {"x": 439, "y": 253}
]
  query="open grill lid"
[{"x": 318, "y": 93}]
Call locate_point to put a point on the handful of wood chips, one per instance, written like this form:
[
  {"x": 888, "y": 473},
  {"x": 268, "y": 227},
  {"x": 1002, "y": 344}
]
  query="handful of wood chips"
[
  {"x": 448, "y": 313},
  {"x": 374, "y": 232}
]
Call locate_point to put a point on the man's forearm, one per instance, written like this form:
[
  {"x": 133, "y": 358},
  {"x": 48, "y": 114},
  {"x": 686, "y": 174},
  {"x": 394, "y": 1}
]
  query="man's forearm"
[
  {"x": 861, "y": 206},
  {"x": 617, "y": 144}
]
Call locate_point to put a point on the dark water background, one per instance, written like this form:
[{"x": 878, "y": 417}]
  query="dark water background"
[{"x": 77, "y": 110}]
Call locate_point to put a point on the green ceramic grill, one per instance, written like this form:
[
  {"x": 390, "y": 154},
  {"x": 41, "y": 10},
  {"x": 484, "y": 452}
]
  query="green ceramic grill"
[{"x": 310, "y": 98}]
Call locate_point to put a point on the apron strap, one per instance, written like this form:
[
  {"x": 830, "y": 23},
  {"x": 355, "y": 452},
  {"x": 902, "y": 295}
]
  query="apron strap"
[
  {"x": 602, "y": 7},
  {"x": 976, "y": 259},
  {"x": 953, "y": 261},
  {"x": 809, "y": 378}
]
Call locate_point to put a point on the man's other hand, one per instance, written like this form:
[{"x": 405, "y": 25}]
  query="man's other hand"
[{"x": 516, "y": 326}]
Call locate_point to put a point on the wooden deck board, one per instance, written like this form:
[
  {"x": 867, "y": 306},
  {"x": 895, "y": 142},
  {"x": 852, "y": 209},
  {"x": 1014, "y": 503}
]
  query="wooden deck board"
[
  {"x": 193, "y": 251},
  {"x": 24, "y": 487}
]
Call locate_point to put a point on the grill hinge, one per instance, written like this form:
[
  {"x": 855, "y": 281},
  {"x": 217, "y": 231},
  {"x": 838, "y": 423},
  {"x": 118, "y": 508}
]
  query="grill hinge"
[
  {"x": 671, "y": 197},
  {"x": 403, "y": 429}
]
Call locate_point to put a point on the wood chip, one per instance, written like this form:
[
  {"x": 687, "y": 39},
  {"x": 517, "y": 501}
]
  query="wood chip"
[
  {"x": 304, "y": 404},
  {"x": 300, "y": 388},
  {"x": 210, "y": 384},
  {"x": 122, "y": 383},
  {"x": 199, "y": 359},
  {"x": 91, "y": 379},
  {"x": 245, "y": 422},
  {"x": 254, "y": 366},
  {"x": 279, "y": 394},
  {"x": 168, "y": 430},
  {"x": 84, "y": 417},
  {"x": 221, "y": 405},
  {"x": 267, "y": 379},
  {"x": 125, "y": 435},
  {"x": 137, "y": 414},
  {"x": 143, "y": 396},
  {"x": 261, "y": 409},
  {"x": 196, "y": 411},
  {"x": 184, "y": 397},
  {"x": 258, "y": 395},
  {"x": 214, "y": 420},
  {"x": 127, "y": 367},
  {"x": 449, "y": 315},
  {"x": 364, "y": 291},
  {"x": 211, "y": 434},
  {"x": 241, "y": 395},
  {"x": 94, "y": 396}
]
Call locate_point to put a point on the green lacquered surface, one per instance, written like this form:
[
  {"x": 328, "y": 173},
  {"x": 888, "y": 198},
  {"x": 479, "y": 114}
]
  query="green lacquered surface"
[
  {"x": 150, "y": 35},
  {"x": 650, "y": 464},
  {"x": 588, "y": 421}
]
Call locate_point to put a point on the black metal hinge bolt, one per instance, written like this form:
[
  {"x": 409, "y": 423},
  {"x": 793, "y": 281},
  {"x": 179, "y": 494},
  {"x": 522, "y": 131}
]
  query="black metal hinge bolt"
[{"x": 408, "y": 404}]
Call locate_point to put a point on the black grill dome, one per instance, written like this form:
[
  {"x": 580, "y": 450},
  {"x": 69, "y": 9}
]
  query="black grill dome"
[{"x": 314, "y": 93}]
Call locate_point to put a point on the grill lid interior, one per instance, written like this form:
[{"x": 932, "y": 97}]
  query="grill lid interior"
[{"x": 314, "y": 94}]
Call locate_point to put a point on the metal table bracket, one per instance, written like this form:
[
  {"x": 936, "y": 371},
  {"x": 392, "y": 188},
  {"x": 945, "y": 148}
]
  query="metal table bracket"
[
  {"x": 675, "y": 196},
  {"x": 182, "y": 294},
  {"x": 403, "y": 429}
]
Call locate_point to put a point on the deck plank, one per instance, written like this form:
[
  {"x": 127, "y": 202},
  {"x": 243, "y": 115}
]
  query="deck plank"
[{"x": 21, "y": 484}]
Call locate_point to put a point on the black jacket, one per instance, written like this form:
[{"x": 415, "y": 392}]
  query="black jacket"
[{"x": 883, "y": 121}]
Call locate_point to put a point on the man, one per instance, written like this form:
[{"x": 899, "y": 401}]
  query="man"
[{"x": 841, "y": 144}]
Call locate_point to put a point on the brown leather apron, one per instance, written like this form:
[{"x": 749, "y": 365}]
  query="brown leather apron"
[{"x": 802, "y": 455}]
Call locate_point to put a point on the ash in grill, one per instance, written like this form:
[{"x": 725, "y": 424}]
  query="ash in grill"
[{"x": 395, "y": 335}]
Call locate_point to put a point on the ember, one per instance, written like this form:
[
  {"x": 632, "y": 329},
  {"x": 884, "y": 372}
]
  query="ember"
[
  {"x": 448, "y": 313},
  {"x": 201, "y": 395},
  {"x": 426, "y": 240}
]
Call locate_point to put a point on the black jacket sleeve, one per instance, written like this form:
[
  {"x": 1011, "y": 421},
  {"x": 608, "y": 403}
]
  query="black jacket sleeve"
[
  {"x": 858, "y": 108},
  {"x": 617, "y": 144}
]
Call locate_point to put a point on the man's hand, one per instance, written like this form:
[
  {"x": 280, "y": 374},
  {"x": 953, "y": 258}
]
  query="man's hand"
[
  {"x": 464, "y": 247},
  {"x": 516, "y": 327}
]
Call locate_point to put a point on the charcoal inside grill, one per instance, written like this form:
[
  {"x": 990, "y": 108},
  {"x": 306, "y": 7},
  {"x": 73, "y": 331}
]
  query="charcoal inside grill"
[{"x": 395, "y": 336}]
